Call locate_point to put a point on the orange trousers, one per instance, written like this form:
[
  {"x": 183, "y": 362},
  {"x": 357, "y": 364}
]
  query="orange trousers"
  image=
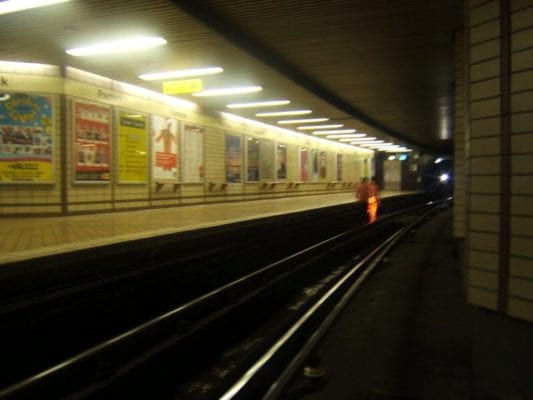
[{"x": 372, "y": 209}]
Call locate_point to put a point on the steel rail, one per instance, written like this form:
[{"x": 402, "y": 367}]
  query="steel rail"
[
  {"x": 154, "y": 323},
  {"x": 370, "y": 261},
  {"x": 132, "y": 334}
]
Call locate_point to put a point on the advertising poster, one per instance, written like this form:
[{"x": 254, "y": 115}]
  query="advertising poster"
[
  {"x": 281, "y": 159},
  {"x": 132, "y": 148},
  {"x": 92, "y": 150},
  {"x": 339, "y": 167},
  {"x": 26, "y": 139},
  {"x": 233, "y": 158},
  {"x": 304, "y": 164},
  {"x": 267, "y": 159},
  {"x": 314, "y": 165},
  {"x": 252, "y": 160},
  {"x": 164, "y": 148},
  {"x": 322, "y": 164},
  {"x": 192, "y": 153}
]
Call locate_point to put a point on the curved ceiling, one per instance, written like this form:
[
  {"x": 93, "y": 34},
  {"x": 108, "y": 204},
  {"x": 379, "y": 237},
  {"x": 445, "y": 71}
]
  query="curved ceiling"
[{"x": 383, "y": 67}]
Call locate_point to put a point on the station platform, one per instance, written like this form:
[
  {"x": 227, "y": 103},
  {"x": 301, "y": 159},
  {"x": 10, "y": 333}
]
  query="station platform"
[
  {"x": 24, "y": 238},
  {"x": 407, "y": 333}
]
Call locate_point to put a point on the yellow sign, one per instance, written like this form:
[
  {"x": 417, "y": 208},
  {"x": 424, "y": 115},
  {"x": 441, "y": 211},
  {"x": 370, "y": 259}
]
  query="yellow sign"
[
  {"x": 133, "y": 148},
  {"x": 183, "y": 86}
]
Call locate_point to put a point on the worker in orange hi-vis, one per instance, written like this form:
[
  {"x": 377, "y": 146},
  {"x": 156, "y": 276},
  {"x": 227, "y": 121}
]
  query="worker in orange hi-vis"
[
  {"x": 373, "y": 199},
  {"x": 361, "y": 196}
]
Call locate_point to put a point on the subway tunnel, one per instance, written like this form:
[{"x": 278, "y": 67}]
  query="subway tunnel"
[{"x": 237, "y": 111}]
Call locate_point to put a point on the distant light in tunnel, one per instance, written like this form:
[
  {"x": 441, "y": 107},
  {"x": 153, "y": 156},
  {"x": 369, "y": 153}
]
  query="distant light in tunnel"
[{"x": 444, "y": 177}]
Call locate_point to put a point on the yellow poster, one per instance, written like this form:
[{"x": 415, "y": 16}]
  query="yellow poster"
[{"x": 132, "y": 148}]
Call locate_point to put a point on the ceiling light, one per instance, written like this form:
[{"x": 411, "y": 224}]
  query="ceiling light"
[
  {"x": 313, "y": 127},
  {"x": 10, "y": 6},
  {"x": 334, "y": 131},
  {"x": 270, "y": 103},
  {"x": 119, "y": 46},
  {"x": 283, "y": 113},
  {"x": 228, "y": 91},
  {"x": 184, "y": 73},
  {"x": 372, "y": 144},
  {"x": 359, "y": 140},
  {"x": 353, "y": 135},
  {"x": 302, "y": 121}
]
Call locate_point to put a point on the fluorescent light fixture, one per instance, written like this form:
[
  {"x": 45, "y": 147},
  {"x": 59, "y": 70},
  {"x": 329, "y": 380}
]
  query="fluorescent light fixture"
[
  {"x": 302, "y": 121},
  {"x": 313, "y": 127},
  {"x": 270, "y": 103},
  {"x": 278, "y": 129},
  {"x": 184, "y": 73},
  {"x": 118, "y": 46},
  {"x": 329, "y": 132},
  {"x": 360, "y": 140},
  {"x": 373, "y": 144},
  {"x": 11, "y": 6},
  {"x": 283, "y": 113},
  {"x": 352, "y": 140},
  {"x": 352, "y": 135},
  {"x": 228, "y": 91}
]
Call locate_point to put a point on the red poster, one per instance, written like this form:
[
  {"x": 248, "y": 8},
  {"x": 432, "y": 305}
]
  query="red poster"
[{"x": 92, "y": 157}]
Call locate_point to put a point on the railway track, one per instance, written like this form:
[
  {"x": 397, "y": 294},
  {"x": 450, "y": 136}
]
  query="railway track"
[{"x": 207, "y": 329}]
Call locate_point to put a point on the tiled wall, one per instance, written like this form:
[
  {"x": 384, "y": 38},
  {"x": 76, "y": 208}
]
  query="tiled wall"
[
  {"x": 66, "y": 195},
  {"x": 499, "y": 156},
  {"x": 459, "y": 200}
]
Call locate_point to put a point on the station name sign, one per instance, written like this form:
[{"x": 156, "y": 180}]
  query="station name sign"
[{"x": 183, "y": 86}]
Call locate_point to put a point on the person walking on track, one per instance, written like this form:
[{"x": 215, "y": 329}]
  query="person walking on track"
[{"x": 373, "y": 199}]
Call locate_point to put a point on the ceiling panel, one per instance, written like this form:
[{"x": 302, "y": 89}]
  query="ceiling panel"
[{"x": 382, "y": 66}]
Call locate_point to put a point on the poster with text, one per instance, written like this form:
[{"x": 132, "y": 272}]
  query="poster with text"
[
  {"x": 164, "y": 134},
  {"x": 314, "y": 165},
  {"x": 132, "y": 148},
  {"x": 339, "y": 167},
  {"x": 26, "y": 139},
  {"x": 322, "y": 164},
  {"x": 192, "y": 153},
  {"x": 267, "y": 159},
  {"x": 233, "y": 158},
  {"x": 92, "y": 149},
  {"x": 304, "y": 164},
  {"x": 252, "y": 160},
  {"x": 281, "y": 161}
]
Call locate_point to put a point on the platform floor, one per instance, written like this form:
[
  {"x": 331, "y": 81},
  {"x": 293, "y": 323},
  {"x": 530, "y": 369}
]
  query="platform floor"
[{"x": 26, "y": 238}]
